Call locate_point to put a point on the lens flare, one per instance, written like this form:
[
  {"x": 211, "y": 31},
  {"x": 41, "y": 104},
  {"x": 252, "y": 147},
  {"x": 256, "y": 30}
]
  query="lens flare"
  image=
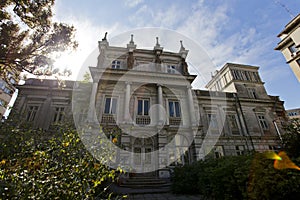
[
  {"x": 272, "y": 155},
  {"x": 282, "y": 161}
]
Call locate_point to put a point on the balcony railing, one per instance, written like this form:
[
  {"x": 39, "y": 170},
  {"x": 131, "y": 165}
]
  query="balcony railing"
[
  {"x": 108, "y": 119},
  {"x": 175, "y": 121},
  {"x": 143, "y": 120}
]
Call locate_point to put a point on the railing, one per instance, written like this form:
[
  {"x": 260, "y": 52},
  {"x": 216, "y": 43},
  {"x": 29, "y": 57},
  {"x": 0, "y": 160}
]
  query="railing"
[
  {"x": 108, "y": 119},
  {"x": 143, "y": 120},
  {"x": 175, "y": 121}
]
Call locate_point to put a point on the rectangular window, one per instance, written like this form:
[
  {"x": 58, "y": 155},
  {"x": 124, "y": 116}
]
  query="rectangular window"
[
  {"x": 110, "y": 105},
  {"x": 212, "y": 121},
  {"x": 293, "y": 48},
  {"x": 59, "y": 113},
  {"x": 219, "y": 152},
  {"x": 143, "y": 107},
  {"x": 2, "y": 103},
  {"x": 231, "y": 119},
  {"x": 12, "y": 81},
  {"x": 171, "y": 69},
  {"x": 239, "y": 150},
  {"x": 7, "y": 90},
  {"x": 2, "y": 84},
  {"x": 31, "y": 113},
  {"x": 116, "y": 64},
  {"x": 247, "y": 76},
  {"x": 174, "y": 108},
  {"x": 252, "y": 93},
  {"x": 262, "y": 122}
]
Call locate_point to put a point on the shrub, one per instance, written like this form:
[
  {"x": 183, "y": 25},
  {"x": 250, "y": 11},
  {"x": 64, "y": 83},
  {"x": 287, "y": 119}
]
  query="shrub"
[
  {"x": 36, "y": 164},
  {"x": 239, "y": 177}
]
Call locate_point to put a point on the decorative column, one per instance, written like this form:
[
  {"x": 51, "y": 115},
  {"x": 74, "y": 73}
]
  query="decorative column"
[
  {"x": 160, "y": 102},
  {"x": 191, "y": 105},
  {"x": 126, "y": 102}
]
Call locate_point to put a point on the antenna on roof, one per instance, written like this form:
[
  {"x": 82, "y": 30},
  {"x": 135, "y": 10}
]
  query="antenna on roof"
[{"x": 285, "y": 8}]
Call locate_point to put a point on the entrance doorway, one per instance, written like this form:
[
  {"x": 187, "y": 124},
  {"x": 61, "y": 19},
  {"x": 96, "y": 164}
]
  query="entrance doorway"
[{"x": 143, "y": 159}]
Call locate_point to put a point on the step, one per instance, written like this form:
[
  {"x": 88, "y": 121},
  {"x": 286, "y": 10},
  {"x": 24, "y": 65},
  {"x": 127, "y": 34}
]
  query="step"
[
  {"x": 128, "y": 190},
  {"x": 145, "y": 181}
]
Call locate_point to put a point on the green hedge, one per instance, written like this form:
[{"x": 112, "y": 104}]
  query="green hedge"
[{"x": 238, "y": 177}]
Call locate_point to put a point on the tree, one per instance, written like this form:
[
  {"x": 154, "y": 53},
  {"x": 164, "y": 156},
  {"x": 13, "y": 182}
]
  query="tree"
[
  {"x": 38, "y": 164},
  {"x": 291, "y": 138},
  {"x": 29, "y": 38}
]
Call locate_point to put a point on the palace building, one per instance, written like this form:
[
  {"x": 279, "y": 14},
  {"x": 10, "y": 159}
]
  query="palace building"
[{"x": 143, "y": 101}]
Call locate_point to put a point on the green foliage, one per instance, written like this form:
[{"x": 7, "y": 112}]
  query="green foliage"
[
  {"x": 265, "y": 182},
  {"x": 239, "y": 177},
  {"x": 291, "y": 138},
  {"x": 37, "y": 164},
  {"x": 29, "y": 38}
]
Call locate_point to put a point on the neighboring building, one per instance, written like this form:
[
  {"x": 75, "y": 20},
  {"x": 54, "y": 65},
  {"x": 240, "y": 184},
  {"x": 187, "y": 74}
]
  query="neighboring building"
[
  {"x": 290, "y": 45},
  {"x": 141, "y": 92},
  {"x": 6, "y": 91},
  {"x": 293, "y": 113}
]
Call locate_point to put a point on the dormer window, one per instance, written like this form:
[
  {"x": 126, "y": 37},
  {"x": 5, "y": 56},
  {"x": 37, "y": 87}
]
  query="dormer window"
[
  {"x": 116, "y": 64},
  {"x": 171, "y": 69}
]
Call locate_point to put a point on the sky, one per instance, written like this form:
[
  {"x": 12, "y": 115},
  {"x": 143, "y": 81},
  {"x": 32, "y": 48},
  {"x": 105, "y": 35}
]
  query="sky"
[{"x": 236, "y": 31}]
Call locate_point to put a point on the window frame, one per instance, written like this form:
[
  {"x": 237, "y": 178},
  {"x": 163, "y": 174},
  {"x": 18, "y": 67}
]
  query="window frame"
[
  {"x": 113, "y": 105},
  {"x": 8, "y": 91},
  {"x": 144, "y": 111},
  {"x": 252, "y": 93},
  {"x": 229, "y": 118},
  {"x": 263, "y": 123},
  {"x": 292, "y": 48},
  {"x": 171, "y": 69},
  {"x": 2, "y": 103},
  {"x": 116, "y": 64},
  {"x": 31, "y": 112},
  {"x": 219, "y": 151},
  {"x": 240, "y": 150},
  {"x": 215, "y": 124},
  {"x": 175, "y": 111},
  {"x": 59, "y": 114}
]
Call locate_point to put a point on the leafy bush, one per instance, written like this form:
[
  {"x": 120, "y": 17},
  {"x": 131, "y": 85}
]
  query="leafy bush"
[
  {"x": 239, "y": 177},
  {"x": 36, "y": 164}
]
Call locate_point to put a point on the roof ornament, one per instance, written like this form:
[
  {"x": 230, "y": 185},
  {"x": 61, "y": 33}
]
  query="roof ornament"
[
  {"x": 157, "y": 43},
  {"x": 131, "y": 40},
  {"x": 182, "y": 50},
  {"x": 104, "y": 36},
  {"x": 181, "y": 46}
]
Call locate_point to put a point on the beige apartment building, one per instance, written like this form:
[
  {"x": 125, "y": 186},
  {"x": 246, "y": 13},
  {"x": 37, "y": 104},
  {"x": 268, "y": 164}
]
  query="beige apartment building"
[
  {"x": 6, "y": 92},
  {"x": 290, "y": 45},
  {"x": 143, "y": 100},
  {"x": 293, "y": 113}
]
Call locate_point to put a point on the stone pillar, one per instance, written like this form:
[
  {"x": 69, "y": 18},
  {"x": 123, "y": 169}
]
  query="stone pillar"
[
  {"x": 126, "y": 102},
  {"x": 191, "y": 106},
  {"x": 160, "y": 104}
]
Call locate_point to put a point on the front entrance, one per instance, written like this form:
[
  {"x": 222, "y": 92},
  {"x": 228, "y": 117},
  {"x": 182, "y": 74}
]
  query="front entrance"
[{"x": 143, "y": 160}]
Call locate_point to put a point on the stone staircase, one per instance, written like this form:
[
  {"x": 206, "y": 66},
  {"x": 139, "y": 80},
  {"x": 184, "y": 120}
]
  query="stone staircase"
[{"x": 142, "y": 185}]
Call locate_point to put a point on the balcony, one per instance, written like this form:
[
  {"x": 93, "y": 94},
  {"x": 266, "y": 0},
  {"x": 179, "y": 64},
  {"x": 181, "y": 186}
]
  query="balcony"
[
  {"x": 143, "y": 120},
  {"x": 108, "y": 119},
  {"x": 175, "y": 121}
]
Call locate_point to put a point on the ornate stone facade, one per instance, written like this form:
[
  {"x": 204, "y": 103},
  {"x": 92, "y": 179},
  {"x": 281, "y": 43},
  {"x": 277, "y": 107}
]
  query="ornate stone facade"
[{"x": 143, "y": 101}]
